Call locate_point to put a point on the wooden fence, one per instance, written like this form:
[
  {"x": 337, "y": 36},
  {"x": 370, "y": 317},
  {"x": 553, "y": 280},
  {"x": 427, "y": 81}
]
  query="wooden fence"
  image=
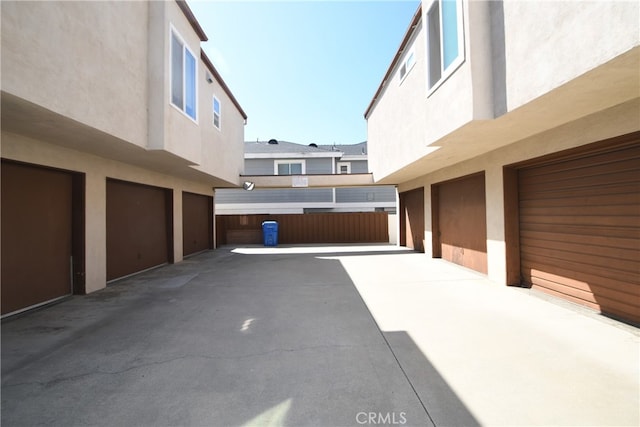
[{"x": 351, "y": 227}]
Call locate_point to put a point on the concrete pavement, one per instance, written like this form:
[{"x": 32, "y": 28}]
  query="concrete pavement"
[{"x": 282, "y": 336}]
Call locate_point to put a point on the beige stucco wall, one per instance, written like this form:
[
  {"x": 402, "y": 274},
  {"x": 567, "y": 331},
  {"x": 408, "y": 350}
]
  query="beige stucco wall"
[
  {"x": 395, "y": 128},
  {"x": 615, "y": 121},
  {"x": 107, "y": 65},
  {"x": 97, "y": 170},
  {"x": 182, "y": 134},
  {"x": 222, "y": 150},
  {"x": 393, "y": 228},
  {"x": 527, "y": 68},
  {"x": 561, "y": 40},
  {"x": 408, "y": 118},
  {"x": 85, "y": 60}
]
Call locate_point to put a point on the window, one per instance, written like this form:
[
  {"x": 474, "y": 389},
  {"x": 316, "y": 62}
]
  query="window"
[
  {"x": 407, "y": 65},
  {"x": 289, "y": 167},
  {"x": 445, "y": 39},
  {"x": 344, "y": 167},
  {"x": 216, "y": 112},
  {"x": 183, "y": 76}
]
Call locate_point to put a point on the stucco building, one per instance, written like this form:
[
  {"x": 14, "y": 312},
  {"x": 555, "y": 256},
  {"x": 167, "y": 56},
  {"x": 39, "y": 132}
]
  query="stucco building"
[
  {"x": 116, "y": 129},
  {"x": 512, "y": 132}
]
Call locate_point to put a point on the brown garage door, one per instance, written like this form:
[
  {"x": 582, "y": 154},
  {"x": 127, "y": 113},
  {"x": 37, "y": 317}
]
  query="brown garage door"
[
  {"x": 412, "y": 219},
  {"x": 36, "y": 235},
  {"x": 580, "y": 228},
  {"x": 197, "y": 223},
  {"x": 459, "y": 213},
  {"x": 139, "y": 227}
]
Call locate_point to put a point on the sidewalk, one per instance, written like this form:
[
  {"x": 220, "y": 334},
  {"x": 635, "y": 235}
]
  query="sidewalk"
[
  {"x": 282, "y": 336},
  {"x": 510, "y": 356}
]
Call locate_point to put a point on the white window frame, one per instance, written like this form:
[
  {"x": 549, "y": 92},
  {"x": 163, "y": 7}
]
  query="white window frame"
[
  {"x": 219, "y": 113},
  {"x": 406, "y": 65},
  {"x": 445, "y": 73},
  {"x": 347, "y": 164},
  {"x": 182, "y": 108},
  {"x": 276, "y": 163}
]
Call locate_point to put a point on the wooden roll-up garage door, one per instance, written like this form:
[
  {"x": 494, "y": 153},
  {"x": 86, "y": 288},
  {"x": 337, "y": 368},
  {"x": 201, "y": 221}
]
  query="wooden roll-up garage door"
[
  {"x": 459, "y": 213},
  {"x": 412, "y": 219},
  {"x": 580, "y": 228},
  {"x": 37, "y": 216},
  {"x": 139, "y": 227},
  {"x": 197, "y": 223}
]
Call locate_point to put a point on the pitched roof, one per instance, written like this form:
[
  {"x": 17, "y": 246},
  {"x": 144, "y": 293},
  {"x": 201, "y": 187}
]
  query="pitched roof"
[
  {"x": 348, "y": 149},
  {"x": 286, "y": 147},
  {"x": 280, "y": 147}
]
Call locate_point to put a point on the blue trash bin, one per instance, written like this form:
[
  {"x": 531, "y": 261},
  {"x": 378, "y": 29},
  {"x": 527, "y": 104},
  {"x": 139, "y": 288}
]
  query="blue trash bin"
[{"x": 270, "y": 233}]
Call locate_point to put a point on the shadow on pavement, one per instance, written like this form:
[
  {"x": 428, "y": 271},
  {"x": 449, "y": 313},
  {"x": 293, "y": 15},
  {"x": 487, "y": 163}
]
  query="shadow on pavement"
[{"x": 221, "y": 339}]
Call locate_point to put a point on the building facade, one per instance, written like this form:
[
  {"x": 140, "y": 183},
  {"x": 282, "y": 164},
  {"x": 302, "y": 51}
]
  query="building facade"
[
  {"x": 116, "y": 129},
  {"x": 265, "y": 158},
  {"x": 512, "y": 132}
]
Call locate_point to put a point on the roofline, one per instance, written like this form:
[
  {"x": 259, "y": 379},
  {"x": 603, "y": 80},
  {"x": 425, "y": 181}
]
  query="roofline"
[
  {"x": 218, "y": 77},
  {"x": 354, "y": 157},
  {"x": 414, "y": 22},
  {"x": 186, "y": 10},
  {"x": 292, "y": 155}
]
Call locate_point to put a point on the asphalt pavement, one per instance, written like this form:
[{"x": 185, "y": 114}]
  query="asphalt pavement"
[{"x": 319, "y": 336}]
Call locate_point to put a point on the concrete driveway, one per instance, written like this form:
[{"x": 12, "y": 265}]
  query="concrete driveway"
[{"x": 282, "y": 336}]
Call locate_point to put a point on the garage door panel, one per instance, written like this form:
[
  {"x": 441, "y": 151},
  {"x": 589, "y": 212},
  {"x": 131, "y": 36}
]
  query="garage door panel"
[
  {"x": 629, "y": 190},
  {"x": 583, "y": 168},
  {"x": 531, "y": 269},
  {"x": 608, "y": 209},
  {"x": 606, "y": 305},
  {"x": 36, "y": 235},
  {"x": 588, "y": 231},
  {"x": 610, "y": 248},
  {"x": 569, "y": 271},
  {"x": 625, "y": 197},
  {"x": 579, "y": 261},
  {"x": 138, "y": 227},
  {"x": 461, "y": 222},
  {"x": 581, "y": 182},
  {"x": 580, "y": 226},
  {"x": 197, "y": 226},
  {"x": 603, "y": 157},
  {"x": 586, "y": 295},
  {"x": 581, "y": 280},
  {"x": 585, "y": 220},
  {"x": 601, "y": 286}
]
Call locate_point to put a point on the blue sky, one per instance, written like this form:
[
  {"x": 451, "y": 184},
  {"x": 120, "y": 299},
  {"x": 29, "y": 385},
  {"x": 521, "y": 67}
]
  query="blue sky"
[{"x": 303, "y": 71}]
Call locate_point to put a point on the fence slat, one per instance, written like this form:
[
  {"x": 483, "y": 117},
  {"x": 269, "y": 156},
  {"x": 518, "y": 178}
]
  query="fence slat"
[{"x": 339, "y": 227}]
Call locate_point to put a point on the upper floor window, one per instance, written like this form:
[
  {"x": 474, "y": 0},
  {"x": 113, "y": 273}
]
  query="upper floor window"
[
  {"x": 289, "y": 167},
  {"x": 444, "y": 39},
  {"x": 216, "y": 112},
  {"x": 344, "y": 167},
  {"x": 407, "y": 65},
  {"x": 183, "y": 76}
]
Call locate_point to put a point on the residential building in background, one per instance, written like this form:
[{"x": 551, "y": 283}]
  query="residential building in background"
[
  {"x": 116, "y": 129},
  {"x": 275, "y": 157},
  {"x": 512, "y": 130}
]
